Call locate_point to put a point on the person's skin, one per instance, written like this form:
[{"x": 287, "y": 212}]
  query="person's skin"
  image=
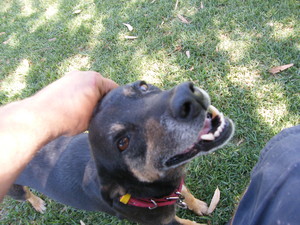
[{"x": 62, "y": 108}]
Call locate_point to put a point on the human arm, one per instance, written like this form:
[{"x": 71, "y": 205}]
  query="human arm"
[{"x": 62, "y": 108}]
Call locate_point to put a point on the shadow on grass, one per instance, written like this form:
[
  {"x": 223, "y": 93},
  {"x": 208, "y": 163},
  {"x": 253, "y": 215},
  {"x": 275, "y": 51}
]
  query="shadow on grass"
[{"x": 44, "y": 43}]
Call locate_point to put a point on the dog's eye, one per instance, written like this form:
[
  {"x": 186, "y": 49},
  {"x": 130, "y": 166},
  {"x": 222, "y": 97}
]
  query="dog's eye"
[
  {"x": 123, "y": 143},
  {"x": 144, "y": 87}
]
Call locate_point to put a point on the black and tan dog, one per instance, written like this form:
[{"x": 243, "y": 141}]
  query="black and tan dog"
[{"x": 131, "y": 163}]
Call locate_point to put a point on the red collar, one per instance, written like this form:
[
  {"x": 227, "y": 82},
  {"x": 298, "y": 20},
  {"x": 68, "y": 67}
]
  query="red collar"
[{"x": 152, "y": 203}]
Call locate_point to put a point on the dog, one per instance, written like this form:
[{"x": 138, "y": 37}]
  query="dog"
[{"x": 131, "y": 163}]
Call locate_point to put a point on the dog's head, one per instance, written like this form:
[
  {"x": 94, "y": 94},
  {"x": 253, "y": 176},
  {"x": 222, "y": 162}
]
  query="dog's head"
[{"x": 143, "y": 131}]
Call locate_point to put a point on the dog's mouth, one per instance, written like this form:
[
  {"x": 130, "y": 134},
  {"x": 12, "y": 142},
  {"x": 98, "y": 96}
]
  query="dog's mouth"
[{"x": 216, "y": 131}]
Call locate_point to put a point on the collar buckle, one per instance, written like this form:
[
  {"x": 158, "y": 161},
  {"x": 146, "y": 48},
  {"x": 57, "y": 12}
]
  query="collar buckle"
[
  {"x": 155, "y": 204},
  {"x": 152, "y": 203},
  {"x": 180, "y": 200}
]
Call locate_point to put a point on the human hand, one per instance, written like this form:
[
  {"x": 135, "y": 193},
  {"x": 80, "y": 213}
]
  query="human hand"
[
  {"x": 73, "y": 98},
  {"x": 64, "y": 107}
]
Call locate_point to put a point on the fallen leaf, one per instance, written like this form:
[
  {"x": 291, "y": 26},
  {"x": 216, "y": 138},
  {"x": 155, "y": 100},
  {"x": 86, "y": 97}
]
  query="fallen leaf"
[
  {"x": 201, "y": 5},
  {"x": 214, "y": 201},
  {"x": 188, "y": 54},
  {"x": 240, "y": 142},
  {"x": 178, "y": 48},
  {"x": 182, "y": 19},
  {"x": 64, "y": 209},
  {"x": 77, "y": 11},
  {"x": 82, "y": 223},
  {"x": 176, "y": 4},
  {"x": 131, "y": 37},
  {"x": 278, "y": 69},
  {"x": 52, "y": 39},
  {"x": 130, "y": 28},
  {"x": 192, "y": 68}
]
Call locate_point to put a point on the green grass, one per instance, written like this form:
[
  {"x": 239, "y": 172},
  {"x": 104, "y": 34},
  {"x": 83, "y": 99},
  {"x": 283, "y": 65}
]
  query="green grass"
[{"x": 232, "y": 44}]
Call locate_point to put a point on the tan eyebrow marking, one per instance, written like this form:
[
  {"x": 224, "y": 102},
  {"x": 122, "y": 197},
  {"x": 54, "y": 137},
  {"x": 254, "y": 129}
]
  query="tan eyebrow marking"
[
  {"x": 116, "y": 127},
  {"x": 128, "y": 91}
]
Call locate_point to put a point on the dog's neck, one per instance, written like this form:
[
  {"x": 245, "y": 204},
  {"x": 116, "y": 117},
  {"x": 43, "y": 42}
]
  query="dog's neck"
[
  {"x": 120, "y": 185},
  {"x": 156, "y": 189}
]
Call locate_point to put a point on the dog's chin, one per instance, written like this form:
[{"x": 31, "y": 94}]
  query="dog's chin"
[{"x": 216, "y": 132}]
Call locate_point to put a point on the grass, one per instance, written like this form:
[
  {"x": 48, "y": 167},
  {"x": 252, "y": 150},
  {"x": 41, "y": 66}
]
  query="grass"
[{"x": 232, "y": 46}]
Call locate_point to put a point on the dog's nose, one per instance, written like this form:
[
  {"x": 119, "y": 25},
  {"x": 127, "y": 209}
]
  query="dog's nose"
[{"x": 188, "y": 101}]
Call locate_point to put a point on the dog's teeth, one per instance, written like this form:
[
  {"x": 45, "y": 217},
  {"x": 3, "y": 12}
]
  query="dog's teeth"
[
  {"x": 217, "y": 133},
  {"x": 222, "y": 118},
  {"x": 221, "y": 127},
  {"x": 214, "y": 111},
  {"x": 208, "y": 137}
]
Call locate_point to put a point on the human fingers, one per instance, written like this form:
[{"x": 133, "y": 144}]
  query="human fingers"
[{"x": 105, "y": 85}]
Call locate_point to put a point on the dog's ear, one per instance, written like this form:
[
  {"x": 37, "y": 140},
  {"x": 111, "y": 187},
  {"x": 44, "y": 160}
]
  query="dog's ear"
[{"x": 107, "y": 98}]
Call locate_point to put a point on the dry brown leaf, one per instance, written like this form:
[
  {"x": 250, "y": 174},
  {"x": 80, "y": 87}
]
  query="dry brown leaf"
[
  {"x": 52, "y": 39},
  {"x": 130, "y": 37},
  {"x": 178, "y": 48},
  {"x": 130, "y": 28},
  {"x": 182, "y": 19},
  {"x": 278, "y": 69},
  {"x": 77, "y": 11},
  {"x": 82, "y": 223},
  {"x": 214, "y": 201},
  {"x": 188, "y": 54}
]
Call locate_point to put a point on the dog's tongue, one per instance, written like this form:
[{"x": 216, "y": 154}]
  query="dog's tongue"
[{"x": 206, "y": 128}]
